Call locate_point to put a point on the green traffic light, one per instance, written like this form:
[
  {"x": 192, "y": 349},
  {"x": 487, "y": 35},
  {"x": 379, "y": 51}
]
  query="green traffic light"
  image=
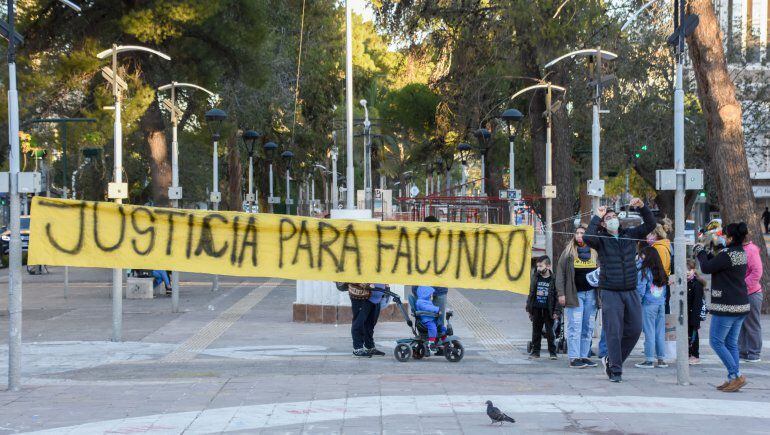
[
  {"x": 637, "y": 155},
  {"x": 702, "y": 194},
  {"x": 644, "y": 147}
]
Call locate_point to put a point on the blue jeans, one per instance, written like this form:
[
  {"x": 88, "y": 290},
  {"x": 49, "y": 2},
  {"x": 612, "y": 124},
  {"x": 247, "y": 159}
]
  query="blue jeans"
[
  {"x": 160, "y": 276},
  {"x": 654, "y": 327},
  {"x": 723, "y": 337},
  {"x": 440, "y": 302},
  {"x": 580, "y": 325}
]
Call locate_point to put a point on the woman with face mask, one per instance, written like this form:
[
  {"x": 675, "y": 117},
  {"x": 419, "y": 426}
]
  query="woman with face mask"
[
  {"x": 578, "y": 297},
  {"x": 729, "y": 300}
]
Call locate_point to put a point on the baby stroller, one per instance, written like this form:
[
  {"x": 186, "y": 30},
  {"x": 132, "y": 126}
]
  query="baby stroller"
[
  {"x": 417, "y": 346},
  {"x": 559, "y": 339}
]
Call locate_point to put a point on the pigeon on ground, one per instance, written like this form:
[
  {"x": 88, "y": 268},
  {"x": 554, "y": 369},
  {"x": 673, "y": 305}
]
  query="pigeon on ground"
[{"x": 496, "y": 415}]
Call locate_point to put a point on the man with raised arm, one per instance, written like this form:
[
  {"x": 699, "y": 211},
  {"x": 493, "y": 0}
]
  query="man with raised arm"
[{"x": 621, "y": 306}]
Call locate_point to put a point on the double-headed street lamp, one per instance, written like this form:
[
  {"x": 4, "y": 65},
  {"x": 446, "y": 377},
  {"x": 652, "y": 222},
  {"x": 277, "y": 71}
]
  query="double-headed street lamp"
[
  {"x": 287, "y": 157},
  {"x": 549, "y": 190},
  {"x": 250, "y": 138},
  {"x": 512, "y": 118},
  {"x": 484, "y": 138},
  {"x": 597, "y": 56},
  {"x": 175, "y": 190},
  {"x": 214, "y": 119},
  {"x": 118, "y": 190}
]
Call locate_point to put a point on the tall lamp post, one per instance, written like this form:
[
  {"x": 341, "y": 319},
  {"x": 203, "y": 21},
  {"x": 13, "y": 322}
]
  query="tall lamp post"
[
  {"x": 64, "y": 178},
  {"x": 269, "y": 148},
  {"x": 250, "y": 138},
  {"x": 287, "y": 157},
  {"x": 597, "y": 56},
  {"x": 350, "y": 174},
  {"x": 118, "y": 190},
  {"x": 549, "y": 190},
  {"x": 214, "y": 119},
  {"x": 14, "y": 244},
  {"x": 335, "y": 191},
  {"x": 175, "y": 191},
  {"x": 367, "y": 157},
  {"x": 512, "y": 118},
  {"x": 484, "y": 139},
  {"x": 465, "y": 150}
]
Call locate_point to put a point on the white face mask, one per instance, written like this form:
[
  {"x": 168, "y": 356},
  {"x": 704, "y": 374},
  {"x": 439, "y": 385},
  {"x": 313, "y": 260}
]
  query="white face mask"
[{"x": 613, "y": 225}]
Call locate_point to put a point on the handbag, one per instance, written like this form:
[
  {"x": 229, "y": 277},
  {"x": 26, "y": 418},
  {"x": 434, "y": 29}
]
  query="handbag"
[{"x": 359, "y": 291}]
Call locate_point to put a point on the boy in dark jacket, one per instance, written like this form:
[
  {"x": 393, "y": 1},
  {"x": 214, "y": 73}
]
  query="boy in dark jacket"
[
  {"x": 695, "y": 307},
  {"x": 542, "y": 306},
  {"x": 621, "y": 304}
]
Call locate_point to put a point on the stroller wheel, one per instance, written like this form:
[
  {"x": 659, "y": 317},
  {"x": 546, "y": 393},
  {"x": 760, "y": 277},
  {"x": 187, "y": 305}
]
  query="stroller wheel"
[
  {"x": 454, "y": 352},
  {"x": 418, "y": 350},
  {"x": 402, "y": 352}
]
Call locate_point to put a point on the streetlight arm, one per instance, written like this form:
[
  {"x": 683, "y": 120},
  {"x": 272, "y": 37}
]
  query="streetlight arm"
[
  {"x": 606, "y": 55},
  {"x": 532, "y": 88},
  {"x": 636, "y": 14},
  {"x": 124, "y": 48},
  {"x": 186, "y": 85},
  {"x": 71, "y": 5}
]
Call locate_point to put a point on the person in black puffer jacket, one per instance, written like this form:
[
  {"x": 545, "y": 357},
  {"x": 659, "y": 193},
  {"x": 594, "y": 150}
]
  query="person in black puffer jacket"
[
  {"x": 729, "y": 300},
  {"x": 621, "y": 304}
]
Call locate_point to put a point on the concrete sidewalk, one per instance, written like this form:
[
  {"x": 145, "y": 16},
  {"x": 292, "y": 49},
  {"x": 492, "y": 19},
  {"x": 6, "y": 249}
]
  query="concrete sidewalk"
[{"x": 232, "y": 361}]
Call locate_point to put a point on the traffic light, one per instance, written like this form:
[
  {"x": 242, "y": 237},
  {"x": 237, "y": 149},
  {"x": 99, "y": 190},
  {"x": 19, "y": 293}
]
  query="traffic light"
[
  {"x": 644, "y": 147},
  {"x": 702, "y": 194}
]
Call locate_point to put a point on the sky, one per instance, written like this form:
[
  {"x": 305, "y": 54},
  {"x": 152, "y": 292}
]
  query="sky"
[{"x": 361, "y": 7}]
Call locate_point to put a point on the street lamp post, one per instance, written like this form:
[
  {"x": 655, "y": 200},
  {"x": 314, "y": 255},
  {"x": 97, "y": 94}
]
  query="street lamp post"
[
  {"x": 287, "y": 156},
  {"x": 350, "y": 174},
  {"x": 175, "y": 191},
  {"x": 483, "y": 136},
  {"x": 118, "y": 190},
  {"x": 214, "y": 119},
  {"x": 597, "y": 55},
  {"x": 549, "y": 190},
  {"x": 512, "y": 117},
  {"x": 367, "y": 157},
  {"x": 465, "y": 152},
  {"x": 250, "y": 138},
  {"x": 14, "y": 244},
  {"x": 335, "y": 191},
  {"x": 64, "y": 189},
  {"x": 269, "y": 149}
]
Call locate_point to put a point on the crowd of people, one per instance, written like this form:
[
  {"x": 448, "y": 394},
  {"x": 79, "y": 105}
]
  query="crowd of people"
[{"x": 626, "y": 273}]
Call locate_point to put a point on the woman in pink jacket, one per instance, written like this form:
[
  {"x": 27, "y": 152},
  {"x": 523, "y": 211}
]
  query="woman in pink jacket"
[{"x": 750, "y": 340}]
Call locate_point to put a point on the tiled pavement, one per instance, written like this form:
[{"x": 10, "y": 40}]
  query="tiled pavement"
[{"x": 257, "y": 372}]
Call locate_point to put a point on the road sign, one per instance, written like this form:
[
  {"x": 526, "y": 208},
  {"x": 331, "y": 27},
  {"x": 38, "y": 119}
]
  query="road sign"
[
  {"x": 289, "y": 201},
  {"x": 414, "y": 191},
  {"x": 173, "y": 109},
  {"x": 274, "y": 200}
]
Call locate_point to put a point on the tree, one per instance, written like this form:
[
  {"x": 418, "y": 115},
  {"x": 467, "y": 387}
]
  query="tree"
[{"x": 724, "y": 138}]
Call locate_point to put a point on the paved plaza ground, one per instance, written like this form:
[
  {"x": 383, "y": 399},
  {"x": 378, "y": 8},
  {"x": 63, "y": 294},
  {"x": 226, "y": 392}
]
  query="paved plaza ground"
[{"x": 233, "y": 361}]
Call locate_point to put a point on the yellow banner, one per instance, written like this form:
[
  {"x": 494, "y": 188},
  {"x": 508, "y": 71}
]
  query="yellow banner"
[{"x": 104, "y": 234}]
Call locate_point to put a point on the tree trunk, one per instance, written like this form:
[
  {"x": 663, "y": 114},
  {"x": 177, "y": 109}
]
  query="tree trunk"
[
  {"x": 154, "y": 133},
  {"x": 563, "y": 178},
  {"x": 234, "y": 175},
  {"x": 724, "y": 134}
]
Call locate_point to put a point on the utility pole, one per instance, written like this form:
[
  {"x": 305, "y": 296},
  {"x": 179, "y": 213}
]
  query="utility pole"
[
  {"x": 350, "y": 174},
  {"x": 118, "y": 190},
  {"x": 214, "y": 120},
  {"x": 335, "y": 190}
]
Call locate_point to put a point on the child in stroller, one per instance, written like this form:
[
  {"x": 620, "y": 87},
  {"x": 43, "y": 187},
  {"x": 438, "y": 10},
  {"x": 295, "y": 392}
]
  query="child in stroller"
[
  {"x": 417, "y": 346},
  {"x": 427, "y": 314}
]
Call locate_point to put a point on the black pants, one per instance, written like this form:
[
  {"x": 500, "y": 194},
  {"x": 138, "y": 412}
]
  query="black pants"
[
  {"x": 541, "y": 317},
  {"x": 767, "y": 226},
  {"x": 365, "y": 315},
  {"x": 692, "y": 333},
  {"x": 622, "y": 317}
]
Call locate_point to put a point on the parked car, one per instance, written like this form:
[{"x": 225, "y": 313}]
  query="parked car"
[{"x": 5, "y": 237}]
